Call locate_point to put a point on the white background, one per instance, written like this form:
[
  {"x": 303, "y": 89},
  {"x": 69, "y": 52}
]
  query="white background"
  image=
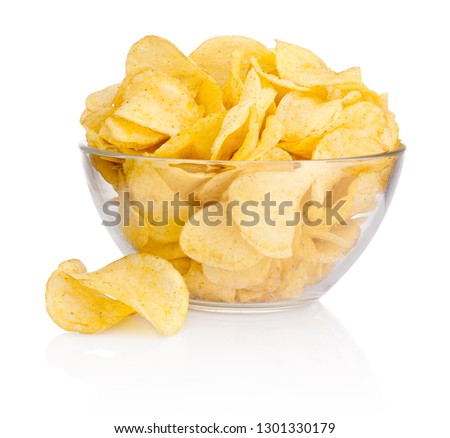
[{"x": 373, "y": 356}]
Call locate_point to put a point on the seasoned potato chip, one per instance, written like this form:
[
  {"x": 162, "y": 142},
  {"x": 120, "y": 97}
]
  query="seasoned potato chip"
[
  {"x": 270, "y": 137},
  {"x": 181, "y": 265},
  {"x": 278, "y": 154},
  {"x": 159, "y": 102},
  {"x": 156, "y": 53},
  {"x": 195, "y": 142},
  {"x": 102, "y": 99},
  {"x": 121, "y": 132},
  {"x": 200, "y": 287},
  {"x": 181, "y": 181},
  {"x": 344, "y": 142},
  {"x": 246, "y": 278},
  {"x": 306, "y": 69},
  {"x": 77, "y": 308},
  {"x": 232, "y": 90},
  {"x": 273, "y": 233},
  {"x": 149, "y": 285},
  {"x": 217, "y": 243},
  {"x": 214, "y": 56},
  {"x": 304, "y": 116},
  {"x": 215, "y": 188},
  {"x": 251, "y": 139}
]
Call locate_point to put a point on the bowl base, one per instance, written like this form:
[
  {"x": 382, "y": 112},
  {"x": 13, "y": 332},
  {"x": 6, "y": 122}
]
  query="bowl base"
[{"x": 209, "y": 306}]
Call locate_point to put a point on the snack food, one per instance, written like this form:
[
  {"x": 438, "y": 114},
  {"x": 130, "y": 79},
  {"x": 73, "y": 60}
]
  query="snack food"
[
  {"x": 229, "y": 124},
  {"x": 90, "y": 302}
]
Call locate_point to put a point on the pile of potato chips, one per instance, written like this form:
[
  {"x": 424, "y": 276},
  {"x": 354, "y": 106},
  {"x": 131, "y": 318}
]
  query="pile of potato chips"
[
  {"x": 228, "y": 124},
  {"x": 235, "y": 99}
]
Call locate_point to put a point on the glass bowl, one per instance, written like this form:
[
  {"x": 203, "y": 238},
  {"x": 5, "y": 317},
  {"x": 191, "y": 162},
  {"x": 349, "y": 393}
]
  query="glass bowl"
[{"x": 249, "y": 236}]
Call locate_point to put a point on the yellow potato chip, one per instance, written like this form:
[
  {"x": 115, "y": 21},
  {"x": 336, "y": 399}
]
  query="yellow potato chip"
[
  {"x": 272, "y": 231},
  {"x": 345, "y": 142},
  {"x": 102, "y": 99},
  {"x": 251, "y": 139},
  {"x": 215, "y": 188},
  {"x": 159, "y": 102},
  {"x": 181, "y": 265},
  {"x": 216, "y": 241},
  {"x": 195, "y": 142},
  {"x": 110, "y": 171},
  {"x": 200, "y": 287},
  {"x": 278, "y": 154},
  {"x": 306, "y": 69},
  {"x": 214, "y": 56},
  {"x": 149, "y": 285},
  {"x": 270, "y": 137},
  {"x": 77, "y": 308},
  {"x": 121, "y": 132},
  {"x": 283, "y": 84},
  {"x": 252, "y": 276},
  {"x": 156, "y": 53},
  {"x": 181, "y": 181},
  {"x": 303, "y": 115},
  {"x": 232, "y": 90},
  {"x": 362, "y": 195},
  {"x": 235, "y": 126}
]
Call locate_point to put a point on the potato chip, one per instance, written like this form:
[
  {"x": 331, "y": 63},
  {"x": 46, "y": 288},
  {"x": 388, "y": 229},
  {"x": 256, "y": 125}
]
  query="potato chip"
[
  {"x": 332, "y": 245},
  {"x": 251, "y": 139},
  {"x": 303, "y": 115},
  {"x": 279, "y": 83},
  {"x": 344, "y": 142},
  {"x": 232, "y": 90},
  {"x": 200, "y": 287},
  {"x": 214, "y": 56},
  {"x": 235, "y": 126},
  {"x": 195, "y": 142},
  {"x": 277, "y": 154},
  {"x": 215, "y": 188},
  {"x": 149, "y": 285},
  {"x": 77, "y": 308},
  {"x": 103, "y": 99},
  {"x": 156, "y": 53},
  {"x": 217, "y": 241},
  {"x": 270, "y": 137},
  {"x": 362, "y": 195},
  {"x": 181, "y": 181},
  {"x": 306, "y": 69},
  {"x": 273, "y": 232},
  {"x": 159, "y": 102},
  {"x": 181, "y": 265},
  {"x": 121, "y": 132},
  {"x": 252, "y": 276}
]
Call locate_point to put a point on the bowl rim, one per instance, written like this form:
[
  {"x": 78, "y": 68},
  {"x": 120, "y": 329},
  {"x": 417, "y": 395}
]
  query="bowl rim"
[{"x": 85, "y": 148}]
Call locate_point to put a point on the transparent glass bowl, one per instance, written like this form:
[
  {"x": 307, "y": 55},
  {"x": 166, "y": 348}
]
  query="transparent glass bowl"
[{"x": 246, "y": 236}]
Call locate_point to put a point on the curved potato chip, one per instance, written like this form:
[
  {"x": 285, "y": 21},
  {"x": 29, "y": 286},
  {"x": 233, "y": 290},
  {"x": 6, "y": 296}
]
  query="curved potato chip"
[
  {"x": 159, "y": 102},
  {"x": 232, "y": 90},
  {"x": 122, "y": 132},
  {"x": 149, "y": 285},
  {"x": 273, "y": 232},
  {"x": 182, "y": 182},
  {"x": 215, "y": 188},
  {"x": 102, "y": 99},
  {"x": 215, "y": 55},
  {"x": 306, "y": 69},
  {"x": 251, "y": 139},
  {"x": 252, "y": 276},
  {"x": 304, "y": 115},
  {"x": 156, "y": 53},
  {"x": 195, "y": 142},
  {"x": 345, "y": 142},
  {"x": 77, "y": 308},
  {"x": 217, "y": 243},
  {"x": 200, "y": 287},
  {"x": 270, "y": 137},
  {"x": 277, "y": 154},
  {"x": 181, "y": 265}
]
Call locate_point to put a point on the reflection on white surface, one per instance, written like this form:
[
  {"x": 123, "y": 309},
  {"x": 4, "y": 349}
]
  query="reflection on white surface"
[{"x": 303, "y": 358}]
